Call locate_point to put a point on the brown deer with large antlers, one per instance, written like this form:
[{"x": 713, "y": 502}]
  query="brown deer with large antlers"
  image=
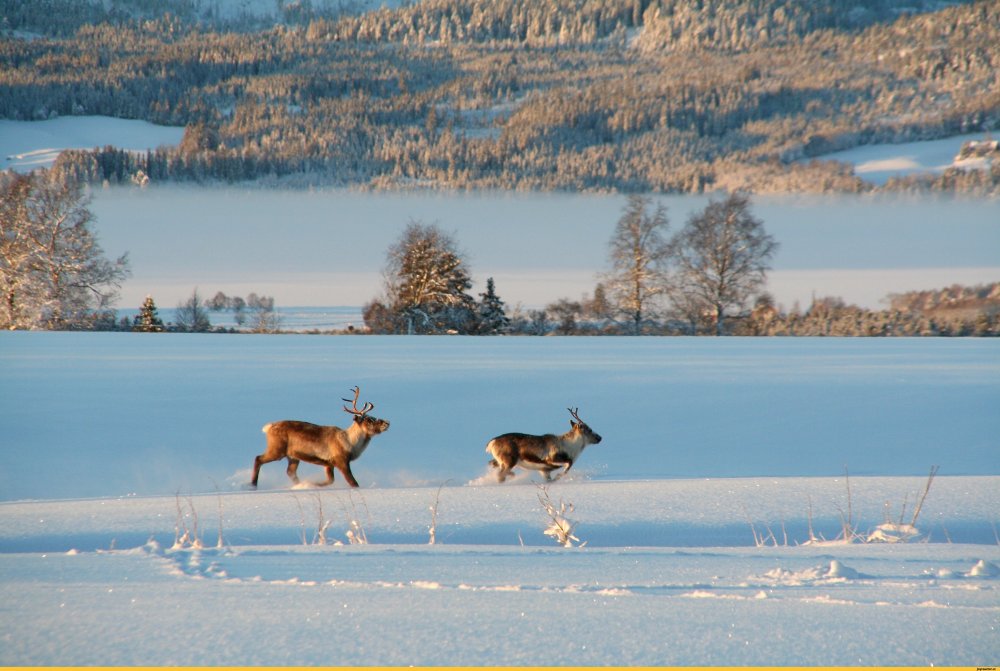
[
  {"x": 541, "y": 453},
  {"x": 327, "y": 446}
]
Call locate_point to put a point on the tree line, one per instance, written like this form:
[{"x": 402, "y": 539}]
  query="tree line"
[
  {"x": 254, "y": 314},
  {"x": 709, "y": 277},
  {"x": 831, "y": 316},
  {"x": 639, "y": 96}
]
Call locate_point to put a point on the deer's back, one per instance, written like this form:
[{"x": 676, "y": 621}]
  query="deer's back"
[
  {"x": 302, "y": 435},
  {"x": 517, "y": 442}
]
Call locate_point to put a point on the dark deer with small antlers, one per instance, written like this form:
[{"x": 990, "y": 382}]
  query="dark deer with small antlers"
[
  {"x": 541, "y": 453},
  {"x": 327, "y": 446}
]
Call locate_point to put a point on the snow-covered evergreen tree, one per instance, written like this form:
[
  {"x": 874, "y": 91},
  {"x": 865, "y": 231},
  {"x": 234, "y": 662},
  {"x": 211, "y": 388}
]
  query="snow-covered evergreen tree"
[
  {"x": 493, "y": 318},
  {"x": 426, "y": 283},
  {"x": 148, "y": 321}
]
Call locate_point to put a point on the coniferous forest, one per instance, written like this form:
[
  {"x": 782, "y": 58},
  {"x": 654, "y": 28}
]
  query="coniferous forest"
[{"x": 583, "y": 95}]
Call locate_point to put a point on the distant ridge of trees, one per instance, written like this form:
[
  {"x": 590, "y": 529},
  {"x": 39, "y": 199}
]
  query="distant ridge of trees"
[
  {"x": 639, "y": 96},
  {"x": 977, "y": 314},
  {"x": 708, "y": 278},
  {"x": 952, "y": 311},
  {"x": 955, "y": 311},
  {"x": 956, "y": 300}
]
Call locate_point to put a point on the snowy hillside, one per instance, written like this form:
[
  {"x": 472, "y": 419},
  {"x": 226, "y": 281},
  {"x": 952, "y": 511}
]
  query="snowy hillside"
[
  {"x": 230, "y": 10},
  {"x": 709, "y": 521}
]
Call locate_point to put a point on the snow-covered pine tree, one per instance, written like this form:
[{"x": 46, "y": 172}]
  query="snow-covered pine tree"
[
  {"x": 493, "y": 318},
  {"x": 426, "y": 283},
  {"x": 148, "y": 321}
]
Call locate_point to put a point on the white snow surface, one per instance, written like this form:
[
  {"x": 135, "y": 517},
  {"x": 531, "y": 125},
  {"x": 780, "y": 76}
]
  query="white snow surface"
[
  {"x": 117, "y": 445},
  {"x": 27, "y": 145},
  {"x": 877, "y": 163}
]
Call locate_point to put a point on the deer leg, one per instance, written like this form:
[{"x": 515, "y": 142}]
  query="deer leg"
[
  {"x": 544, "y": 465},
  {"x": 504, "y": 463},
  {"x": 292, "y": 470},
  {"x": 503, "y": 466},
  {"x": 501, "y": 470},
  {"x": 329, "y": 477},
  {"x": 560, "y": 459},
  {"x": 259, "y": 461},
  {"x": 506, "y": 468},
  {"x": 569, "y": 465},
  {"x": 346, "y": 471}
]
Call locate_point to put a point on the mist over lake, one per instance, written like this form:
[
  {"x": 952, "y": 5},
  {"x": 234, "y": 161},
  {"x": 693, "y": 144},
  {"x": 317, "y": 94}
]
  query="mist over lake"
[{"x": 327, "y": 247}]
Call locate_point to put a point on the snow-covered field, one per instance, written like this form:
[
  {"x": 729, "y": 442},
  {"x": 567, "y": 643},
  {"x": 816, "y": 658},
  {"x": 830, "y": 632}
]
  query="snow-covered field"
[
  {"x": 877, "y": 163},
  {"x": 126, "y": 457}
]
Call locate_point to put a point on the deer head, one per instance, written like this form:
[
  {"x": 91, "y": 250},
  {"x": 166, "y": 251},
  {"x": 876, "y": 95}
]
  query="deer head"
[
  {"x": 371, "y": 425},
  {"x": 581, "y": 426}
]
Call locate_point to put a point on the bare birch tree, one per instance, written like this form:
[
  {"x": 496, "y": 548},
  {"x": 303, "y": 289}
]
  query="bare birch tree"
[
  {"x": 53, "y": 272},
  {"x": 639, "y": 252},
  {"x": 192, "y": 314},
  {"x": 722, "y": 256}
]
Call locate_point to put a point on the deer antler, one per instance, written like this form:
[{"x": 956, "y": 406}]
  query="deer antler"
[
  {"x": 360, "y": 413},
  {"x": 573, "y": 412}
]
